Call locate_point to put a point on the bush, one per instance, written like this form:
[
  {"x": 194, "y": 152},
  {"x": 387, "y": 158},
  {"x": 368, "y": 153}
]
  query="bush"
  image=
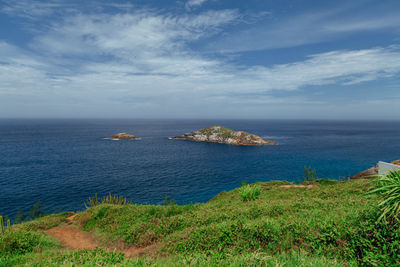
[
  {"x": 21, "y": 242},
  {"x": 37, "y": 211},
  {"x": 249, "y": 192},
  {"x": 110, "y": 199},
  {"x": 4, "y": 224},
  {"x": 388, "y": 188},
  {"x": 310, "y": 174},
  {"x": 374, "y": 243}
]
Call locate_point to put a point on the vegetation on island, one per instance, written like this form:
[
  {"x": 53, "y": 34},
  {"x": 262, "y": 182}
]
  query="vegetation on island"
[
  {"x": 333, "y": 223},
  {"x": 219, "y": 134},
  {"x": 223, "y": 131}
]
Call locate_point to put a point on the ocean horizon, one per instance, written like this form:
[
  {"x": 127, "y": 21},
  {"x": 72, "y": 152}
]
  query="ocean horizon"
[{"x": 63, "y": 162}]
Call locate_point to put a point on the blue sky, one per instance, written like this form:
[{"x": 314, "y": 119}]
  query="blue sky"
[{"x": 267, "y": 59}]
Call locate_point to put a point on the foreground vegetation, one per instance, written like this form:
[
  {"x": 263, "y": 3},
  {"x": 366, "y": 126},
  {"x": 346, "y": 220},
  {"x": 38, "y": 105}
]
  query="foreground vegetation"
[{"x": 332, "y": 224}]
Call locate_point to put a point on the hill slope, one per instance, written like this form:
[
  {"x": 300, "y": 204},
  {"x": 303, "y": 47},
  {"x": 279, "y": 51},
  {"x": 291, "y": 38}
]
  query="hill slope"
[{"x": 331, "y": 223}]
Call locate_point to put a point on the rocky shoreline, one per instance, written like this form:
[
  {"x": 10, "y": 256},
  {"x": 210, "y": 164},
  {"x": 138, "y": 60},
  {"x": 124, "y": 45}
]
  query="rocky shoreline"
[
  {"x": 222, "y": 135},
  {"x": 371, "y": 172}
]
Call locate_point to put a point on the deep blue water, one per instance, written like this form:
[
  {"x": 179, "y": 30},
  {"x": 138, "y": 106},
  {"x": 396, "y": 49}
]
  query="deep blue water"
[{"x": 63, "y": 162}]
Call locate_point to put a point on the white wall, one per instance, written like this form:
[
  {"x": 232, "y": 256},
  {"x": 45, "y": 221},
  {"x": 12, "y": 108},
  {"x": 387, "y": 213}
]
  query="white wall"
[{"x": 384, "y": 167}]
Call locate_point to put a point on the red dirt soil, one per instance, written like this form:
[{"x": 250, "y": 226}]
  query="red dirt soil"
[{"x": 73, "y": 238}]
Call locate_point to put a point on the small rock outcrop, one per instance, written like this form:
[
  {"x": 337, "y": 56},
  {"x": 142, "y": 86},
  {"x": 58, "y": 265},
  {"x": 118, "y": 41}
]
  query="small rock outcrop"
[
  {"x": 222, "y": 135},
  {"x": 123, "y": 136},
  {"x": 367, "y": 174},
  {"x": 371, "y": 172}
]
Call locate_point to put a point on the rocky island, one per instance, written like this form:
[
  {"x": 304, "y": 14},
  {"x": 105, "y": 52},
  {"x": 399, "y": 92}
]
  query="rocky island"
[
  {"x": 222, "y": 135},
  {"x": 123, "y": 136}
]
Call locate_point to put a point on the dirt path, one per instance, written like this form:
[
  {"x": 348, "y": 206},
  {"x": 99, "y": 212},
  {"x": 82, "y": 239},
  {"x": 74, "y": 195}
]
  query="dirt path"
[{"x": 73, "y": 238}]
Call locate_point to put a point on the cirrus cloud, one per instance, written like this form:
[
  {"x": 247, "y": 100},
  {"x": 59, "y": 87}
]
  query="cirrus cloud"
[{"x": 144, "y": 61}]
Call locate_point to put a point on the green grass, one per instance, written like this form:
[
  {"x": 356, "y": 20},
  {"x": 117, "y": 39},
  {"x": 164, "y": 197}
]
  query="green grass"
[
  {"x": 100, "y": 257},
  {"x": 334, "y": 224},
  {"x": 249, "y": 192},
  {"x": 29, "y": 237}
]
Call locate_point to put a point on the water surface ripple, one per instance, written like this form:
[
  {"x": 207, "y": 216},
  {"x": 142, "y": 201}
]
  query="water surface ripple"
[{"x": 63, "y": 162}]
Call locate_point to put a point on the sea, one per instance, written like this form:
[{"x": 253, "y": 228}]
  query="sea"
[{"x": 62, "y": 163}]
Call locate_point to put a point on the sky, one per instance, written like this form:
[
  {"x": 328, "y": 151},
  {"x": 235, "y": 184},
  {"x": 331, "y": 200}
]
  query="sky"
[{"x": 253, "y": 59}]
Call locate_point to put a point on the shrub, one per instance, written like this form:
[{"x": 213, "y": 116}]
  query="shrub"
[
  {"x": 168, "y": 201},
  {"x": 20, "y": 242},
  {"x": 249, "y": 192},
  {"x": 388, "y": 188},
  {"x": 309, "y": 174},
  {"x": 373, "y": 242},
  {"x": 4, "y": 225},
  {"x": 37, "y": 211},
  {"x": 110, "y": 199}
]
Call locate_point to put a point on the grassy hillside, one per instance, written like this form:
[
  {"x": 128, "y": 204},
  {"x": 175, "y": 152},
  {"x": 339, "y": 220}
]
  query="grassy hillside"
[{"x": 331, "y": 224}]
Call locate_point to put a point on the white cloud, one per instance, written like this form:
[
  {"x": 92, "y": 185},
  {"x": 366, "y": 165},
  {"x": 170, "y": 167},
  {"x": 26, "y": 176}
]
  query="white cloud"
[
  {"x": 308, "y": 28},
  {"x": 337, "y": 67},
  {"x": 139, "y": 33},
  {"x": 190, "y": 4},
  {"x": 33, "y": 10},
  {"x": 375, "y": 22},
  {"x": 142, "y": 62}
]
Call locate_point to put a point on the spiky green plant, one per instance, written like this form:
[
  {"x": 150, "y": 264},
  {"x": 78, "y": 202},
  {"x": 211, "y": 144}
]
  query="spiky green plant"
[
  {"x": 168, "y": 201},
  {"x": 114, "y": 199},
  {"x": 388, "y": 188},
  {"x": 4, "y": 227},
  {"x": 310, "y": 174},
  {"x": 37, "y": 211},
  {"x": 92, "y": 202},
  {"x": 110, "y": 199},
  {"x": 249, "y": 192}
]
